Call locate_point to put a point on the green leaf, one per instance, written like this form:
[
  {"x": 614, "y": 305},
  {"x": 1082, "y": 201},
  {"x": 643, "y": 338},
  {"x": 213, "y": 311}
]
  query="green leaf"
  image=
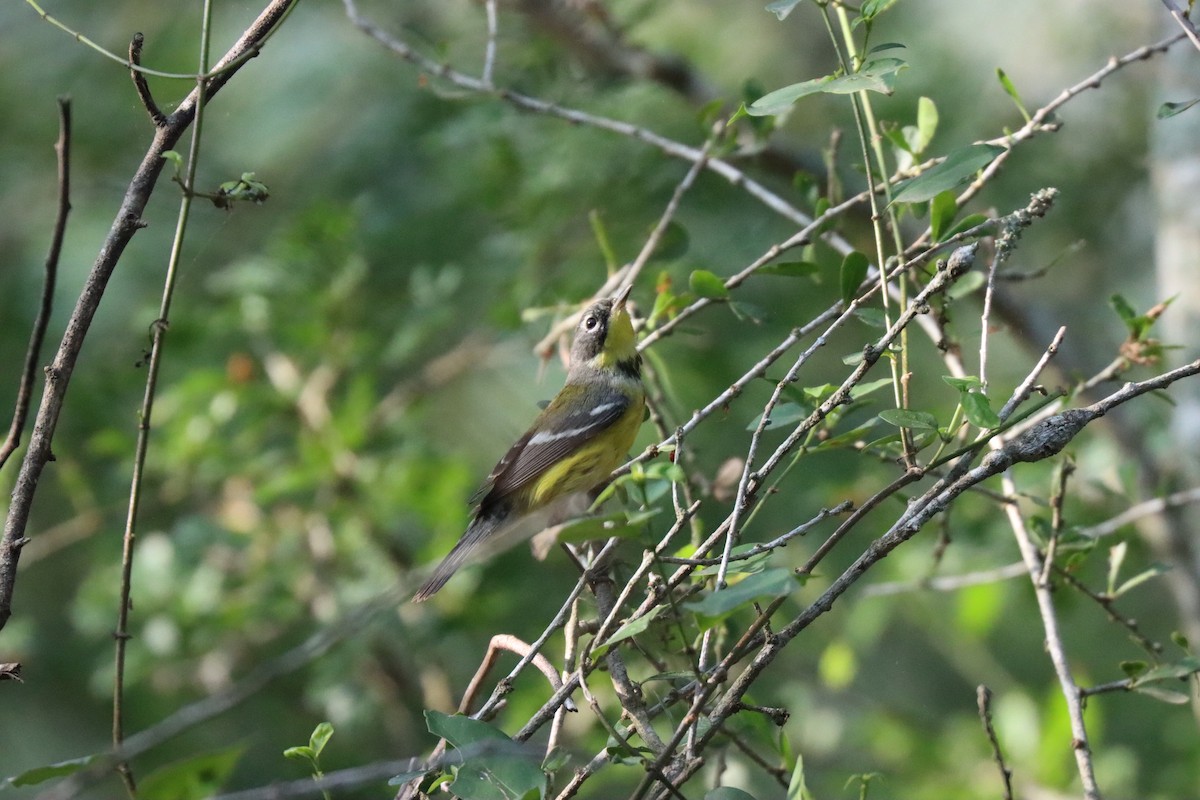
[
  {"x": 192, "y": 778},
  {"x": 873, "y": 8},
  {"x": 979, "y": 411},
  {"x": 966, "y": 223},
  {"x": 797, "y": 788},
  {"x": 494, "y": 766},
  {"x": 746, "y": 566},
  {"x": 1011, "y": 91},
  {"x": 1116, "y": 557},
  {"x": 782, "y": 415},
  {"x": 300, "y": 753},
  {"x": 673, "y": 244},
  {"x": 781, "y": 8},
  {"x": 620, "y": 524},
  {"x": 872, "y": 316},
  {"x": 1176, "y": 671},
  {"x": 959, "y": 166},
  {"x": 770, "y": 583},
  {"x": 175, "y": 159},
  {"x": 927, "y": 123},
  {"x": 875, "y": 76},
  {"x": 60, "y": 769},
  {"x": 1164, "y": 695},
  {"x": 628, "y": 631},
  {"x": 864, "y": 389},
  {"x": 1135, "y": 322},
  {"x": 748, "y": 312},
  {"x": 1154, "y": 571},
  {"x": 320, "y": 737},
  {"x": 791, "y": 269},
  {"x": 1133, "y": 668},
  {"x": 1167, "y": 110},
  {"x": 963, "y": 384},
  {"x": 941, "y": 213},
  {"x": 971, "y": 282},
  {"x": 707, "y": 284},
  {"x": 913, "y": 420},
  {"x": 852, "y": 273},
  {"x": 728, "y": 793}
]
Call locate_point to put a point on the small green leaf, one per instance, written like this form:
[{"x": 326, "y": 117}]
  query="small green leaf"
[
  {"x": 941, "y": 213},
  {"x": 1133, "y": 668},
  {"x": 1168, "y": 110},
  {"x": 1186, "y": 666},
  {"x": 913, "y": 420},
  {"x": 196, "y": 777},
  {"x": 673, "y": 244},
  {"x": 853, "y": 272},
  {"x": 781, "y": 8},
  {"x": 864, "y": 389},
  {"x": 967, "y": 284},
  {"x": 872, "y": 316},
  {"x": 1164, "y": 695},
  {"x": 979, "y": 411},
  {"x": 1154, "y": 571},
  {"x": 320, "y": 737},
  {"x": 963, "y": 384},
  {"x": 620, "y": 524},
  {"x": 628, "y": 631},
  {"x": 782, "y": 415},
  {"x": 300, "y": 753},
  {"x": 748, "y": 312},
  {"x": 873, "y": 8},
  {"x": 174, "y": 158},
  {"x": 556, "y": 759},
  {"x": 707, "y": 284},
  {"x": 791, "y": 269},
  {"x": 875, "y": 76},
  {"x": 966, "y": 223},
  {"x": 1011, "y": 91},
  {"x": 927, "y": 122},
  {"x": 1116, "y": 557},
  {"x": 61, "y": 769},
  {"x": 797, "y": 788},
  {"x": 959, "y": 166},
  {"x": 1135, "y": 322},
  {"x": 770, "y": 583}
]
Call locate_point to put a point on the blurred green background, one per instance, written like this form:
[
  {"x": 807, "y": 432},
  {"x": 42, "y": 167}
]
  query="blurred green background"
[{"x": 346, "y": 361}]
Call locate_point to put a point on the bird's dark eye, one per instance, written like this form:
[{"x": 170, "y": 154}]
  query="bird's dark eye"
[{"x": 590, "y": 322}]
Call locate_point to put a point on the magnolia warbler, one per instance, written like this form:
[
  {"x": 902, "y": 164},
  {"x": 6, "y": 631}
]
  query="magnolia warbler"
[{"x": 573, "y": 445}]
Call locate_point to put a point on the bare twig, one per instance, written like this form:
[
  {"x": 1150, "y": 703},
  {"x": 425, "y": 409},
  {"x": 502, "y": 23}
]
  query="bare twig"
[
  {"x": 128, "y": 221},
  {"x": 157, "y": 337},
  {"x": 139, "y": 82},
  {"x": 489, "y": 54},
  {"x": 25, "y": 391},
  {"x": 1136, "y": 512},
  {"x": 1181, "y": 17},
  {"x": 983, "y": 698}
]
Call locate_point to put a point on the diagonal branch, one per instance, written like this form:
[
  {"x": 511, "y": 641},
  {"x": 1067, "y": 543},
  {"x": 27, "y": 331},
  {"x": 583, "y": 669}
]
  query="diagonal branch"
[{"x": 128, "y": 221}]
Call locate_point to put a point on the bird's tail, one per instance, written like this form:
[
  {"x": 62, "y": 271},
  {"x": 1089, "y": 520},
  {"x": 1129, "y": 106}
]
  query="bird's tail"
[{"x": 480, "y": 530}]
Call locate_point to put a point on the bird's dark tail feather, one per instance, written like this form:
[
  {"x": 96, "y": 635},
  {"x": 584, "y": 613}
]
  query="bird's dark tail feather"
[{"x": 479, "y": 531}]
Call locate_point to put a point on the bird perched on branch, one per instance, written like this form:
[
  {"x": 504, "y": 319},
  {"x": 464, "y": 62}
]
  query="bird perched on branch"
[{"x": 571, "y": 448}]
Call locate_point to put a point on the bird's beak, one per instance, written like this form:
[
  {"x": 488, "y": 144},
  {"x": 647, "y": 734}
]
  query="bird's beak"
[{"x": 620, "y": 297}]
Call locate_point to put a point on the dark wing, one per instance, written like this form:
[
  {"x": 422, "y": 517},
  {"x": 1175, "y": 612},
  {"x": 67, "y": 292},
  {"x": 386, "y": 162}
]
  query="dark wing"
[{"x": 555, "y": 434}]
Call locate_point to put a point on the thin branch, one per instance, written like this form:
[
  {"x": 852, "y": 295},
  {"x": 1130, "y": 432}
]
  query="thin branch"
[
  {"x": 139, "y": 82},
  {"x": 948, "y": 583},
  {"x": 128, "y": 221},
  {"x": 145, "y": 414},
  {"x": 1134, "y": 513},
  {"x": 1054, "y": 643},
  {"x": 1181, "y": 17},
  {"x": 25, "y": 391},
  {"x": 983, "y": 698},
  {"x": 266, "y": 672},
  {"x": 489, "y": 54}
]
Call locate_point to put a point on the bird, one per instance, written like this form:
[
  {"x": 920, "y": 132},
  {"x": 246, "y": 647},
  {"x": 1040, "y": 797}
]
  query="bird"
[{"x": 571, "y": 448}]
